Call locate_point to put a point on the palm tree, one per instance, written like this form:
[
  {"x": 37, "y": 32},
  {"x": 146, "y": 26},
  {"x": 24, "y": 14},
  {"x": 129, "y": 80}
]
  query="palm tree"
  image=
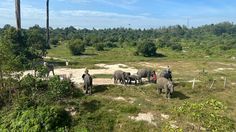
[
  {"x": 18, "y": 18},
  {"x": 47, "y": 23}
]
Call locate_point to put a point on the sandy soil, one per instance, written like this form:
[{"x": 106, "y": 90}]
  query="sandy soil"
[
  {"x": 144, "y": 117},
  {"x": 76, "y": 74}
]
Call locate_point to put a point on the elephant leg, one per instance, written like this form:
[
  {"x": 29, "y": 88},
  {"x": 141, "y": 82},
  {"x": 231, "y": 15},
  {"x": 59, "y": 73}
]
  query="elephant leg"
[
  {"x": 53, "y": 73},
  {"x": 167, "y": 92},
  {"x": 159, "y": 90},
  {"x": 90, "y": 90},
  {"x": 115, "y": 81}
]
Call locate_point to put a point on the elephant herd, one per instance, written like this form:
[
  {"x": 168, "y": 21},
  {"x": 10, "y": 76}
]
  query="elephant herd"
[{"x": 163, "y": 80}]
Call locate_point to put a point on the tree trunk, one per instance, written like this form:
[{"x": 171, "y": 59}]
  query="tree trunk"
[
  {"x": 47, "y": 23},
  {"x": 18, "y": 16},
  {"x": 1, "y": 79}
]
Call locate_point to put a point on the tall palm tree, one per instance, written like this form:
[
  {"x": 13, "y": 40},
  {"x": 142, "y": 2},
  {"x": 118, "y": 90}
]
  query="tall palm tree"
[
  {"x": 47, "y": 23},
  {"x": 18, "y": 17}
]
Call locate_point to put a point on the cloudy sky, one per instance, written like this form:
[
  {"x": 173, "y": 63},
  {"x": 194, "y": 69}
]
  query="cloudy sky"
[{"x": 119, "y": 13}]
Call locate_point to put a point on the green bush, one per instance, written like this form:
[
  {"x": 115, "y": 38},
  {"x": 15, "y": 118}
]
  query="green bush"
[
  {"x": 28, "y": 84},
  {"x": 208, "y": 114},
  {"x": 58, "y": 87},
  {"x": 37, "y": 119},
  {"x": 147, "y": 48},
  {"x": 76, "y": 47},
  {"x": 176, "y": 47},
  {"x": 99, "y": 47},
  {"x": 111, "y": 45}
]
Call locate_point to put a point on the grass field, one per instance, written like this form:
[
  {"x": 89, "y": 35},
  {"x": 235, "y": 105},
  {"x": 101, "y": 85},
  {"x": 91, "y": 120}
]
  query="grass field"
[{"x": 111, "y": 107}]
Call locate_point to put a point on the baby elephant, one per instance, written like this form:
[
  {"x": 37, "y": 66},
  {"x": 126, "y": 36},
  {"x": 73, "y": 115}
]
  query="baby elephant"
[
  {"x": 163, "y": 83},
  {"x": 136, "y": 78}
]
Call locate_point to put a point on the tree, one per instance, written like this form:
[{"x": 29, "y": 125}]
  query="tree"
[
  {"x": 18, "y": 16},
  {"x": 147, "y": 48},
  {"x": 47, "y": 23},
  {"x": 36, "y": 39},
  {"x": 99, "y": 46},
  {"x": 76, "y": 47}
]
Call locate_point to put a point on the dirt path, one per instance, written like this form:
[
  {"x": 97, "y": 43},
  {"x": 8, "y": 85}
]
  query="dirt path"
[{"x": 77, "y": 73}]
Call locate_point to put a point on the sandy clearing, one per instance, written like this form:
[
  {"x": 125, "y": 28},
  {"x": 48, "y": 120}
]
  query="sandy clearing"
[
  {"x": 144, "y": 117},
  {"x": 223, "y": 69},
  {"x": 76, "y": 74}
]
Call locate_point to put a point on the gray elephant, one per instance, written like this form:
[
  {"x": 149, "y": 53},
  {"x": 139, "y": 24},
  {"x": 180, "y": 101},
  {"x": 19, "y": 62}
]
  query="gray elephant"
[
  {"x": 163, "y": 83},
  {"x": 49, "y": 67},
  {"x": 38, "y": 65},
  {"x": 143, "y": 73},
  {"x": 88, "y": 83},
  {"x": 121, "y": 76},
  {"x": 136, "y": 78},
  {"x": 166, "y": 74}
]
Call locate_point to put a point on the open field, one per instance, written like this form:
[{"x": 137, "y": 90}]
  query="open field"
[{"x": 140, "y": 108}]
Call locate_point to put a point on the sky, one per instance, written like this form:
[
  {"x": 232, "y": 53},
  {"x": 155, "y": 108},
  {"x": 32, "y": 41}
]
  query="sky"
[{"x": 119, "y": 13}]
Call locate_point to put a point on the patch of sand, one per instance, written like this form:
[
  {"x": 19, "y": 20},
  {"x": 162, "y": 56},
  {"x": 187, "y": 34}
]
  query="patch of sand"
[
  {"x": 166, "y": 117},
  {"x": 119, "y": 98},
  {"x": 223, "y": 69},
  {"x": 144, "y": 117},
  {"x": 76, "y": 74}
]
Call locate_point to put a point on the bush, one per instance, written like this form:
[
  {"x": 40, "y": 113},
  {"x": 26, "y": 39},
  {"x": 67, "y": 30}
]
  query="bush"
[
  {"x": 111, "y": 45},
  {"x": 176, "y": 47},
  {"x": 147, "y": 48},
  {"x": 208, "y": 113},
  {"x": 37, "y": 119},
  {"x": 27, "y": 84},
  {"x": 76, "y": 47},
  {"x": 58, "y": 87},
  {"x": 54, "y": 41},
  {"x": 30, "y": 84},
  {"x": 99, "y": 47}
]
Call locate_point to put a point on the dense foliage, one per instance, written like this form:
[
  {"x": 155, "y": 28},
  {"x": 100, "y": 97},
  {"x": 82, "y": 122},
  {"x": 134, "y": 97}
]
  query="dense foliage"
[
  {"x": 208, "y": 114},
  {"x": 76, "y": 47},
  {"x": 147, "y": 48},
  {"x": 37, "y": 119}
]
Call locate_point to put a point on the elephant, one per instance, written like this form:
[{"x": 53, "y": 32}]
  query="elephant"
[
  {"x": 49, "y": 67},
  {"x": 143, "y": 73},
  {"x": 88, "y": 83},
  {"x": 166, "y": 74},
  {"x": 122, "y": 76},
  {"x": 135, "y": 77},
  {"x": 163, "y": 83}
]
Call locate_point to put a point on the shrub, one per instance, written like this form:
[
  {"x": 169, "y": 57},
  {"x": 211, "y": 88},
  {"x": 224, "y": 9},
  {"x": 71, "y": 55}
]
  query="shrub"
[
  {"x": 111, "y": 45},
  {"x": 147, "y": 48},
  {"x": 99, "y": 46},
  {"x": 27, "y": 84},
  {"x": 37, "y": 119},
  {"x": 58, "y": 87},
  {"x": 176, "y": 47},
  {"x": 76, "y": 47},
  {"x": 207, "y": 113}
]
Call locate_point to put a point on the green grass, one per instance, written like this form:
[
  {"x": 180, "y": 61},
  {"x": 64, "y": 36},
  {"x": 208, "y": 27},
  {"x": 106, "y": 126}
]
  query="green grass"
[
  {"x": 103, "y": 112},
  {"x": 103, "y": 76}
]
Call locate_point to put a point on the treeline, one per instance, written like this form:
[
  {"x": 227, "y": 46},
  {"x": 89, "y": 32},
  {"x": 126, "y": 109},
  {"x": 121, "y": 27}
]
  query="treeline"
[{"x": 221, "y": 36}]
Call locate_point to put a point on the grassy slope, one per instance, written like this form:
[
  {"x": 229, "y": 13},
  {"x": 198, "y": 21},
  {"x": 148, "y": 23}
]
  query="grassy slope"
[{"x": 101, "y": 112}]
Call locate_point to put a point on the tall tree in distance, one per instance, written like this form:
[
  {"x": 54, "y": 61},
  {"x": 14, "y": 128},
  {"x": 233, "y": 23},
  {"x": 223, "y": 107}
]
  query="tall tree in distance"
[
  {"x": 47, "y": 23},
  {"x": 18, "y": 17}
]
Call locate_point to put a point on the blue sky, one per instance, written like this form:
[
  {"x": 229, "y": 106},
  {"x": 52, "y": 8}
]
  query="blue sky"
[{"x": 120, "y": 13}]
